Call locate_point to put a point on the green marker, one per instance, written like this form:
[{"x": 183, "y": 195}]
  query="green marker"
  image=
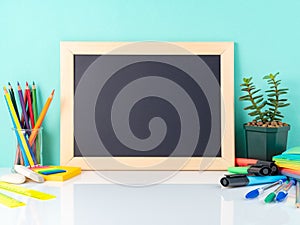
[
  {"x": 272, "y": 195},
  {"x": 238, "y": 169},
  {"x": 258, "y": 170}
]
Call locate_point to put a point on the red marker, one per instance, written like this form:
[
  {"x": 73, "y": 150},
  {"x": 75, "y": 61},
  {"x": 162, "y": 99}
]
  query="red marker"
[{"x": 245, "y": 161}]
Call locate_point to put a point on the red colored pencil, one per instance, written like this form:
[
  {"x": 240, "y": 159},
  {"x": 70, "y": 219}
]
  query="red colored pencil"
[{"x": 27, "y": 93}]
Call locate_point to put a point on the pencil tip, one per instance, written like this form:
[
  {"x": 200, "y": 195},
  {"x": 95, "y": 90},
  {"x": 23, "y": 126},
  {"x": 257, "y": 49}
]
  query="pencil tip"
[
  {"x": 33, "y": 83},
  {"x": 52, "y": 93},
  {"x": 9, "y": 83},
  {"x": 26, "y": 83},
  {"x": 18, "y": 83}
]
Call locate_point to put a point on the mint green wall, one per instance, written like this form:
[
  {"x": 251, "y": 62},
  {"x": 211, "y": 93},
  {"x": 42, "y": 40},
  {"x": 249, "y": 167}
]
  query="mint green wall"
[{"x": 266, "y": 34}]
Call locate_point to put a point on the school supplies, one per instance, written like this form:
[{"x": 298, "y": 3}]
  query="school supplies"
[
  {"x": 27, "y": 93},
  {"x": 34, "y": 103},
  {"x": 28, "y": 149},
  {"x": 258, "y": 163},
  {"x": 35, "y": 115},
  {"x": 291, "y": 173},
  {"x": 10, "y": 202},
  {"x": 270, "y": 197},
  {"x": 237, "y": 180},
  {"x": 283, "y": 193},
  {"x": 255, "y": 170},
  {"x": 23, "y": 106},
  {"x": 29, "y": 173},
  {"x": 13, "y": 178},
  {"x": 297, "y": 202},
  {"x": 20, "y": 136},
  {"x": 25, "y": 191},
  {"x": 54, "y": 171},
  {"x": 245, "y": 161},
  {"x": 13, "y": 99},
  {"x": 70, "y": 172},
  {"x": 289, "y": 159},
  {"x": 256, "y": 192},
  {"x": 40, "y": 119}
]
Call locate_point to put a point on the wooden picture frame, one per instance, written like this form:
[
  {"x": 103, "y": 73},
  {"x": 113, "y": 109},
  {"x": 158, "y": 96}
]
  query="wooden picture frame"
[{"x": 226, "y": 52}]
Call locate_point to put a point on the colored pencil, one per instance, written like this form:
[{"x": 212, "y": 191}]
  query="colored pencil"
[
  {"x": 36, "y": 145},
  {"x": 27, "y": 93},
  {"x": 19, "y": 156},
  {"x": 13, "y": 99},
  {"x": 34, "y": 103},
  {"x": 20, "y": 150},
  {"x": 23, "y": 106},
  {"x": 22, "y": 118},
  {"x": 40, "y": 119},
  {"x": 20, "y": 136}
]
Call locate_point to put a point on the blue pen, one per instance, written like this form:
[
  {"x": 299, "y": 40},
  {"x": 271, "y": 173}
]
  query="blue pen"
[
  {"x": 284, "y": 193},
  {"x": 238, "y": 180},
  {"x": 256, "y": 192}
]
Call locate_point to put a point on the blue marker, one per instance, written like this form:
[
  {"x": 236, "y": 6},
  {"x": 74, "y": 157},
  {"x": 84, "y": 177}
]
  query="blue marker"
[
  {"x": 238, "y": 180},
  {"x": 256, "y": 192},
  {"x": 284, "y": 193}
]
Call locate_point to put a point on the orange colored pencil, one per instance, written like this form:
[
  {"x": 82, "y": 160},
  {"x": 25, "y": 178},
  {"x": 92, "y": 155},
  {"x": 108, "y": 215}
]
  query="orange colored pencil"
[
  {"x": 27, "y": 94},
  {"x": 39, "y": 122}
]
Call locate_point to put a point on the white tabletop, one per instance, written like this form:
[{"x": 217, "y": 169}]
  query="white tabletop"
[{"x": 182, "y": 198}]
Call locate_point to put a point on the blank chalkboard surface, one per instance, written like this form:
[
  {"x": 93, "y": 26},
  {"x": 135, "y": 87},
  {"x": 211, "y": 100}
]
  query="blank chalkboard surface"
[
  {"x": 138, "y": 77},
  {"x": 147, "y": 105}
]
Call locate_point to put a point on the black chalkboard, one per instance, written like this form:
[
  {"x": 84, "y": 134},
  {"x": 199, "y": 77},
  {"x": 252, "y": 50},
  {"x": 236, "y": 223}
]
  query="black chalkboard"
[{"x": 146, "y": 105}]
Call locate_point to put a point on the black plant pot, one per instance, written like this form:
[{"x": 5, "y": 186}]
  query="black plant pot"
[{"x": 263, "y": 143}]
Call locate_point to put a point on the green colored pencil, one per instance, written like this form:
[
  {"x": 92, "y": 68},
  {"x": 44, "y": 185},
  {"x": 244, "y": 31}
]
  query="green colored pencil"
[
  {"x": 34, "y": 103},
  {"x": 35, "y": 115}
]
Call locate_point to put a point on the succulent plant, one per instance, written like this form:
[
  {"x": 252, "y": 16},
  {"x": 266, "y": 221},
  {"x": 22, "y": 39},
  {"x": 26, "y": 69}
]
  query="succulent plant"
[
  {"x": 275, "y": 100},
  {"x": 258, "y": 103}
]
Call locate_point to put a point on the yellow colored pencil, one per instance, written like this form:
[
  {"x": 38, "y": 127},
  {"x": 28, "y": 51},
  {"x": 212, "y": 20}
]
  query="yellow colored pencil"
[
  {"x": 18, "y": 127},
  {"x": 38, "y": 123}
]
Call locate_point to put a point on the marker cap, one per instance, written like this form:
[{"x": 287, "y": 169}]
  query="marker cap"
[
  {"x": 259, "y": 170},
  {"x": 235, "y": 180},
  {"x": 271, "y": 165}
]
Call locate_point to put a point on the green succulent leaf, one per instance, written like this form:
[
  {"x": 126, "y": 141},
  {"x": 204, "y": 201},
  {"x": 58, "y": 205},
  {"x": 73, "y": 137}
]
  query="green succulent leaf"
[
  {"x": 249, "y": 107},
  {"x": 245, "y": 98},
  {"x": 282, "y": 93},
  {"x": 283, "y": 89},
  {"x": 258, "y": 96},
  {"x": 283, "y": 105},
  {"x": 253, "y": 113}
]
